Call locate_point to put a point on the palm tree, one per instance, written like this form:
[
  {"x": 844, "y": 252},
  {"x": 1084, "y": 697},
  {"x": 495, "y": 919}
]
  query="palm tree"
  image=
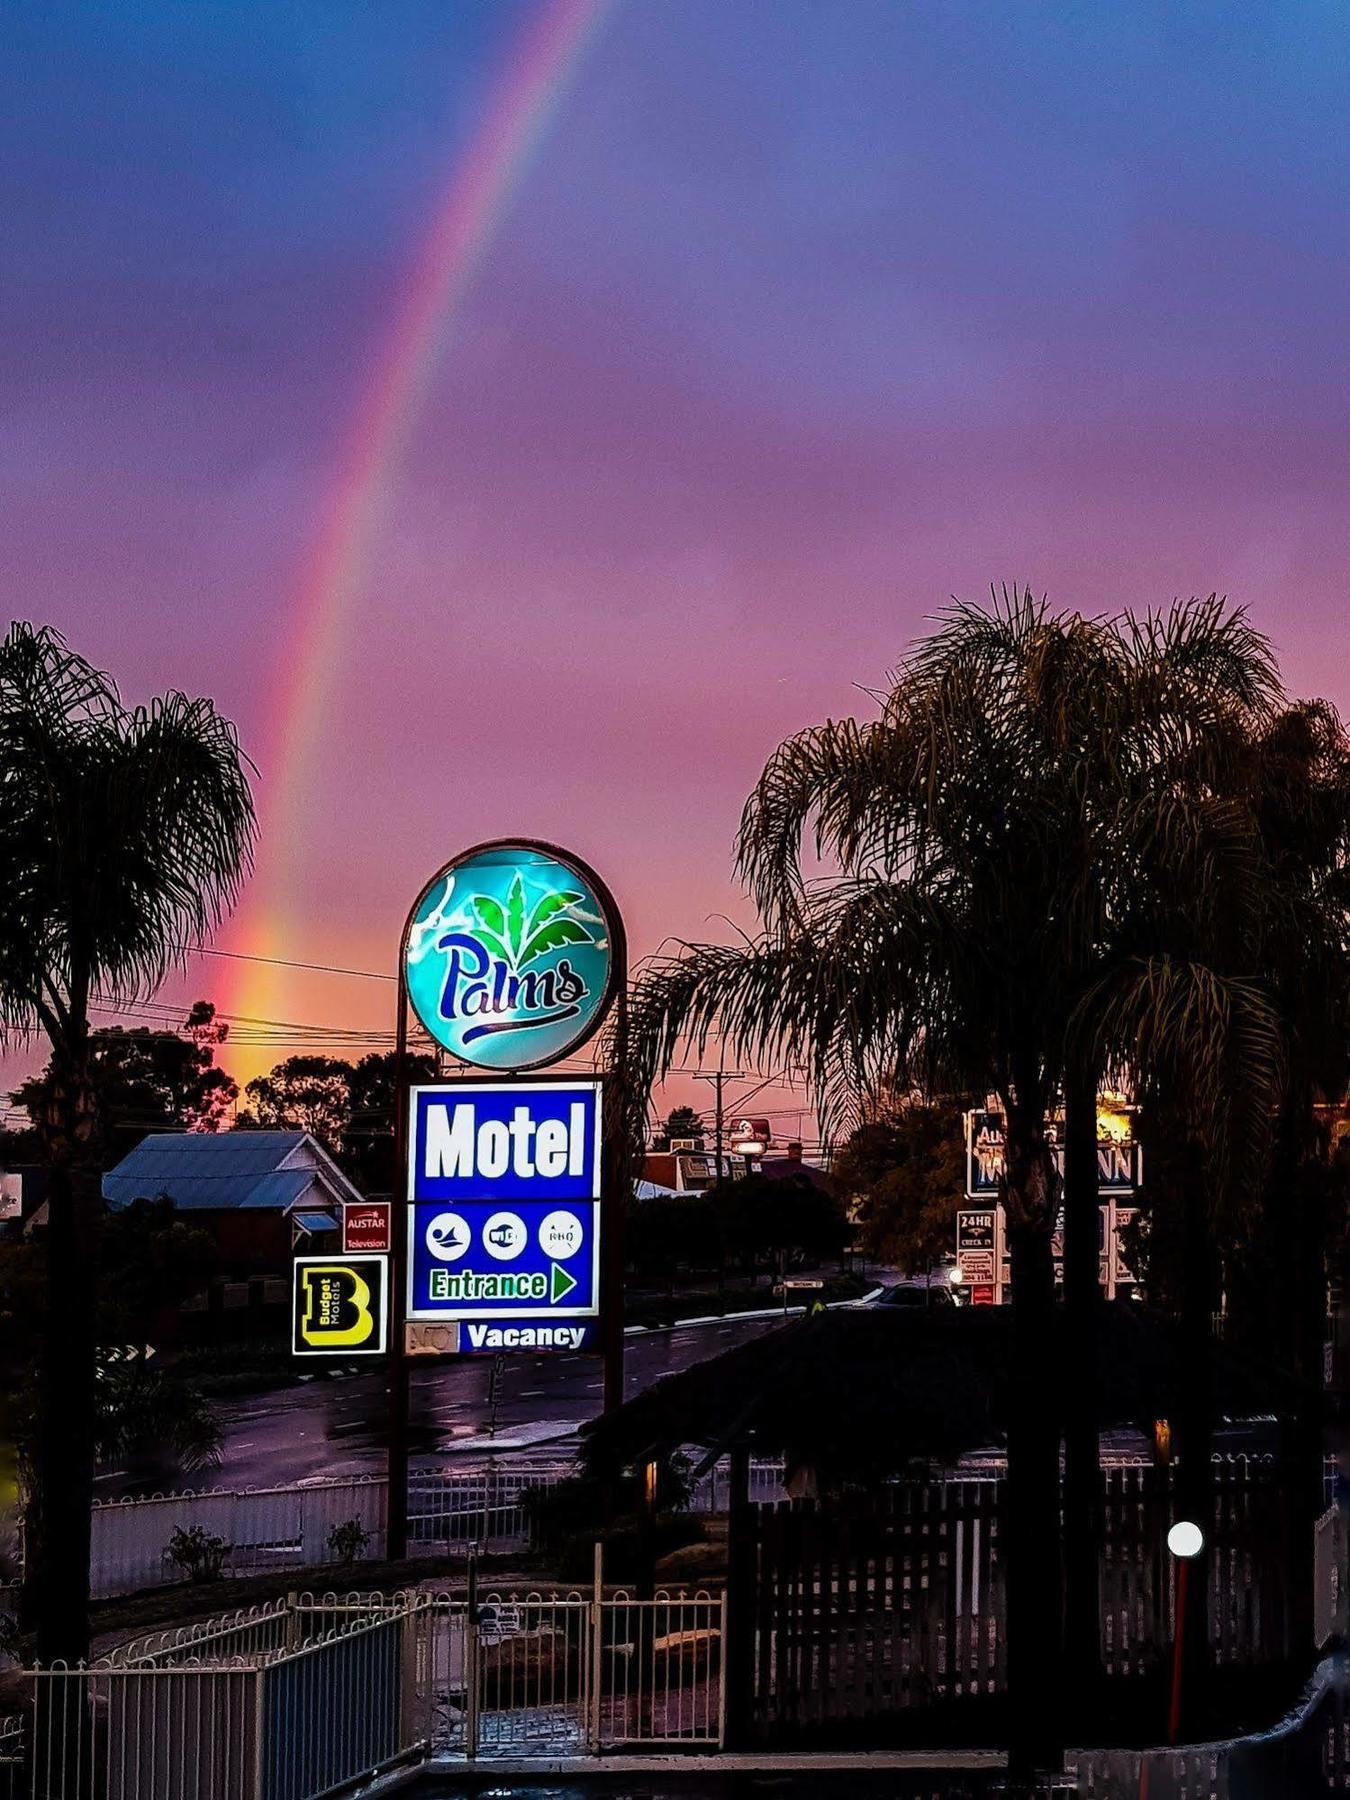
[
  {"x": 950, "y": 952},
  {"x": 1027, "y": 769},
  {"x": 124, "y": 834}
]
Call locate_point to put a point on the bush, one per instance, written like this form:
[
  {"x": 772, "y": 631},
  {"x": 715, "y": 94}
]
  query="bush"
[
  {"x": 199, "y": 1553},
  {"x": 348, "y": 1540}
]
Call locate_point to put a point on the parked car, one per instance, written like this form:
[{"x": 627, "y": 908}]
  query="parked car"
[{"x": 917, "y": 1292}]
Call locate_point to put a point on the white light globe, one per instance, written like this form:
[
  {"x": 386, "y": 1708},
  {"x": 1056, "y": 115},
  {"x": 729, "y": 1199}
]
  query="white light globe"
[
  {"x": 1185, "y": 1539},
  {"x": 954, "y": 1276}
]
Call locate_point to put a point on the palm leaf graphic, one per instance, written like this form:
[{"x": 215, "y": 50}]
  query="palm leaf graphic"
[
  {"x": 515, "y": 916},
  {"x": 550, "y": 904},
  {"x": 490, "y": 914},
  {"x": 552, "y": 937}
]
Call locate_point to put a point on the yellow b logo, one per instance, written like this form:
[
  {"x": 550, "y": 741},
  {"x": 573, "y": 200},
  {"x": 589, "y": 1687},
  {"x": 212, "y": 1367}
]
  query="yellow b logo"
[{"x": 337, "y": 1311}]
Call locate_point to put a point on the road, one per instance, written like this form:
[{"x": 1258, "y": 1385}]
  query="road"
[{"x": 335, "y": 1426}]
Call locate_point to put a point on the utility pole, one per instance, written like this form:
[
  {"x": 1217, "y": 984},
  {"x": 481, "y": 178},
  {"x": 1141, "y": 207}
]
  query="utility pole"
[
  {"x": 396, "y": 1454},
  {"x": 718, "y": 1078}
]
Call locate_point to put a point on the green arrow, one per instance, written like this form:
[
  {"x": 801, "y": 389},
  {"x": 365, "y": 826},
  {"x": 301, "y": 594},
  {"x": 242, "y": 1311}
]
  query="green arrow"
[{"x": 561, "y": 1285}]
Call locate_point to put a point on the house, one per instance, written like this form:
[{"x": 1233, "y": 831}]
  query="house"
[
  {"x": 694, "y": 1171},
  {"x": 264, "y": 1196}
]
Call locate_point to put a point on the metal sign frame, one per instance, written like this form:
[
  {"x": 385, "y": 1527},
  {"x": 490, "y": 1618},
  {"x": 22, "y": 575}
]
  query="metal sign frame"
[
  {"x": 615, "y": 976},
  {"x": 372, "y": 1268},
  {"x": 473, "y": 1312}
]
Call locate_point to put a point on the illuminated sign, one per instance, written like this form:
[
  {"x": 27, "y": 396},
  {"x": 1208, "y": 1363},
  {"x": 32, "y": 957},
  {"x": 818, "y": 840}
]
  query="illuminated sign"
[
  {"x": 365, "y": 1225},
  {"x": 340, "y": 1305},
  {"x": 509, "y": 955},
  {"x": 1118, "y": 1158},
  {"x": 503, "y": 1203}
]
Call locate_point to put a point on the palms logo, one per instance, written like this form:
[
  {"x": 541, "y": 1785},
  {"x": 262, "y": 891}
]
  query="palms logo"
[
  {"x": 510, "y": 955},
  {"x": 489, "y": 977}
]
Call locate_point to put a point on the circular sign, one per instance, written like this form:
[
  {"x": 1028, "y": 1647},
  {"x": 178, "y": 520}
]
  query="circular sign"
[
  {"x": 511, "y": 954},
  {"x": 504, "y": 1236},
  {"x": 448, "y": 1237},
  {"x": 560, "y": 1235}
]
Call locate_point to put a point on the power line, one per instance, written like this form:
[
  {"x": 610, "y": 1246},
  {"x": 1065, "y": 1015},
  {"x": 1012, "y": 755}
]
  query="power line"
[{"x": 284, "y": 962}]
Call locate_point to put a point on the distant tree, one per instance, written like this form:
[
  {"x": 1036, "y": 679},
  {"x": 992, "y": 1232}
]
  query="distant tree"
[
  {"x": 347, "y": 1107},
  {"x": 150, "y": 1081},
  {"x": 303, "y": 1093},
  {"x": 905, "y": 1171},
  {"x": 779, "y": 1220},
  {"x": 683, "y": 1122},
  {"x": 368, "y": 1145}
]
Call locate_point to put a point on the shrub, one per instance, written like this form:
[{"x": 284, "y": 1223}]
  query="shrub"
[
  {"x": 348, "y": 1540},
  {"x": 199, "y": 1553}
]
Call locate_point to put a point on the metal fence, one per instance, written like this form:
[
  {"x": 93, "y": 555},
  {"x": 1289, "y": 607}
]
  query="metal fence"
[
  {"x": 291, "y": 1700},
  {"x": 293, "y": 1526}
]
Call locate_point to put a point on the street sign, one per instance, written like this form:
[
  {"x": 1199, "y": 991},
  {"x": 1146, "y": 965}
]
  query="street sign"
[
  {"x": 340, "y": 1306},
  {"x": 571, "y": 1337},
  {"x": 503, "y": 1193},
  {"x": 366, "y": 1226},
  {"x": 508, "y": 955}
]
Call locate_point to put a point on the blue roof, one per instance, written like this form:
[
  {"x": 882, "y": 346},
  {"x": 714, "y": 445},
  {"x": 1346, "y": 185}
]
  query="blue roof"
[{"x": 223, "y": 1170}]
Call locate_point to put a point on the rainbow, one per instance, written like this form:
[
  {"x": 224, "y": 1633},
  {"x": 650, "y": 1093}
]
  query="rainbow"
[{"x": 521, "y": 105}]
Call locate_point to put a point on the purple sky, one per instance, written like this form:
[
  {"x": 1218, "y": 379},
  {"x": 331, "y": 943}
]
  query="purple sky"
[{"x": 803, "y": 318}]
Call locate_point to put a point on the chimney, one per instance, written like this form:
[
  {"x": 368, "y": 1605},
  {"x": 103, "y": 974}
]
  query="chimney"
[{"x": 794, "y": 1150}]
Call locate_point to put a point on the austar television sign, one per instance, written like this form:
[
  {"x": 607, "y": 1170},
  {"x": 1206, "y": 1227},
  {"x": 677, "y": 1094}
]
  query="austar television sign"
[
  {"x": 503, "y": 1201},
  {"x": 509, "y": 955}
]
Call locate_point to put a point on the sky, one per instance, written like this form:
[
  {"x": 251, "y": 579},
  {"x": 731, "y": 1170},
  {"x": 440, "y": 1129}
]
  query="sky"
[{"x": 784, "y": 323}]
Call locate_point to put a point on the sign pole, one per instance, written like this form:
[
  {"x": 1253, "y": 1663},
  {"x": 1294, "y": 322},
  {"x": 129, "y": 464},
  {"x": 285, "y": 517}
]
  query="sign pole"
[
  {"x": 396, "y": 1496},
  {"x": 616, "y": 1185}
]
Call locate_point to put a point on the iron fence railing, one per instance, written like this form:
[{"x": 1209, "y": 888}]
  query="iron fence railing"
[{"x": 295, "y": 1699}]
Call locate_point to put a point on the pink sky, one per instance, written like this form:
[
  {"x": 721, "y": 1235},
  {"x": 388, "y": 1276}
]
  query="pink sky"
[{"x": 800, "y": 320}]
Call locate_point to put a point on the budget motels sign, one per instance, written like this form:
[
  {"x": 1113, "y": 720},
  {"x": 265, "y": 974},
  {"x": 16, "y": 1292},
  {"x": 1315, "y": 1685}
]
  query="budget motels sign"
[{"x": 504, "y": 1204}]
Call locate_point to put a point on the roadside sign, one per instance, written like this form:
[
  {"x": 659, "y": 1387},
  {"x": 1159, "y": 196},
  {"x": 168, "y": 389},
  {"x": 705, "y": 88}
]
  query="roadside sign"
[
  {"x": 509, "y": 955},
  {"x": 982, "y": 1295},
  {"x": 367, "y": 1226},
  {"x": 340, "y": 1306},
  {"x": 1118, "y": 1159},
  {"x": 11, "y": 1195},
  {"x": 503, "y": 1201},
  {"x": 483, "y": 1337},
  {"x": 795, "y": 1281}
]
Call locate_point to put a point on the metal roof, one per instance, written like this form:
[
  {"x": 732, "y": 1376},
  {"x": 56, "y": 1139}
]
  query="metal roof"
[{"x": 226, "y": 1171}]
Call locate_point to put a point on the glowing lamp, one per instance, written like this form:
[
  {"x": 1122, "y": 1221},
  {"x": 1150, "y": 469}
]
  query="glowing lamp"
[{"x": 1185, "y": 1539}]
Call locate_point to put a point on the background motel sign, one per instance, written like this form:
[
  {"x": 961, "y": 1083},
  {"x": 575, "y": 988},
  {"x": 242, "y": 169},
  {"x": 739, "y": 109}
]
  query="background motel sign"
[{"x": 1118, "y": 1160}]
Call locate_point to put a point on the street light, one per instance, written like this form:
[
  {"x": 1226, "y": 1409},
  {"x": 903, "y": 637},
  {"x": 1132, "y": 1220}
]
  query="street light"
[{"x": 1185, "y": 1540}]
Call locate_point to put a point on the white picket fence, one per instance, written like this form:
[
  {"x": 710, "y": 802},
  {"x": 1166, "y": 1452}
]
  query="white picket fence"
[
  {"x": 286, "y": 1527},
  {"x": 292, "y": 1526}
]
